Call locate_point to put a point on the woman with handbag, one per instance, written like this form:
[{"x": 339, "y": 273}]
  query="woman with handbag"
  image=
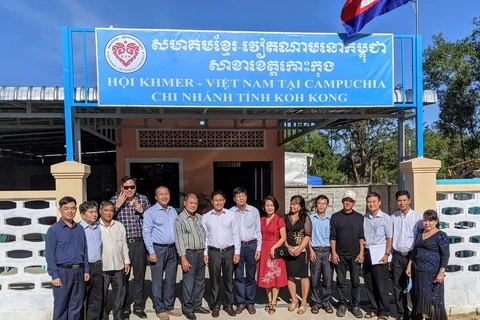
[
  {"x": 428, "y": 263},
  {"x": 272, "y": 274},
  {"x": 299, "y": 231}
]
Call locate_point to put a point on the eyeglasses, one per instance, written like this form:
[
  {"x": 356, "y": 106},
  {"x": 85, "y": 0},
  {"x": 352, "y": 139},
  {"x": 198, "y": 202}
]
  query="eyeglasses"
[{"x": 129, "y": 187}]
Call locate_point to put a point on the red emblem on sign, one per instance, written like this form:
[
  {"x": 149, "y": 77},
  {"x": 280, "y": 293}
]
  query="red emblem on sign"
[{"x": 125, "y": 52}]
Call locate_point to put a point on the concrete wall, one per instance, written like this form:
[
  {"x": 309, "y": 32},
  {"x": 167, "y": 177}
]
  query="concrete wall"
[
  {"x": 334, "y": 193},
  {"x": 25, "y": 288},
  {"x": 458, "y": 206}
]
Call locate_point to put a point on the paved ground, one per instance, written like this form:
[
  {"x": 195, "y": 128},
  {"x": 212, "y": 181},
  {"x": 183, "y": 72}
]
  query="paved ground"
[
  {"x": 261, "y": 299},
  {"x": 281, "y": 313}
]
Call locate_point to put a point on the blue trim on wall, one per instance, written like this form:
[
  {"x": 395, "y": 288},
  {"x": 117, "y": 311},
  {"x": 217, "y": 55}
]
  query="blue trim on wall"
[{"x": 458, "y": 181}]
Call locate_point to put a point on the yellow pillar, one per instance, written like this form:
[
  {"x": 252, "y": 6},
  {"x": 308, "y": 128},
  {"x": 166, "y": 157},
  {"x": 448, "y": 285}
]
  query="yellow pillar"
[
  {"x": 420, "y": 175},
  {"x": 70, "y": 180}
]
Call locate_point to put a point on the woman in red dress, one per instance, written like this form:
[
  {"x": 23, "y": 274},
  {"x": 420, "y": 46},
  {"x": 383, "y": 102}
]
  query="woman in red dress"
[{"x": 272, "y": 274}]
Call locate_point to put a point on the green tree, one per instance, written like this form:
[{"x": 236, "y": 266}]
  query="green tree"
[
  {"x": 452, "y": 69},
  {"x": 445, "y": 148},
  {"x": 325, "y": 162},
  {"x": 369, "y": 151}
]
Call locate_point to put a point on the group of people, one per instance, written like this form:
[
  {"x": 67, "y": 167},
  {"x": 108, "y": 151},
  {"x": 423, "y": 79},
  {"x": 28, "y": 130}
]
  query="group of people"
[{"x": 244, "y": 250}]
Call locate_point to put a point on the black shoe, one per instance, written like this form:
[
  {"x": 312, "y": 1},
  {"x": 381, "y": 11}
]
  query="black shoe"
[
  {"x": 190, "y": 315},
  {"x": 126, "y": 315},
  {"x": 140, "y": 313},
  {"x": 357, "y": 312},
  {"x": 229, "y": 310},
  {"x": 201, "y": 310},
  {"x": 341, "y": 311}
]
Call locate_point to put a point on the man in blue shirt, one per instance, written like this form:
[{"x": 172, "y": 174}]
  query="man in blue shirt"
[
  {"x": 94, "y": 286},
  {"x": 67, "y": 262},
  {"x": 321, "y": 267},
  {"x": 159, "y": 238},
  {"x": 251, "y": 244}
]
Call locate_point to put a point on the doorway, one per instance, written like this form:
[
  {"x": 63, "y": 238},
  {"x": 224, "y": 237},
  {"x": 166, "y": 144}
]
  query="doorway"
[
  {"x": 255, "y": 176},
  {"x": 151, "y": 173}
]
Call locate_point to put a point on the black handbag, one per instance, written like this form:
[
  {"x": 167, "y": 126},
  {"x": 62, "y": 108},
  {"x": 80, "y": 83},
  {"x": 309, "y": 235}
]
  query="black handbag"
[{"x": 281, "y": 252}]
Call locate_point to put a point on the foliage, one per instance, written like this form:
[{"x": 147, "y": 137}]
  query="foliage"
[
  {"x": 325, "y": 162},
  {"x": 367, "y": 152},
  {"x": 442, "y": 147},
  {"x": 367, "y": 157},
  {"x": 453, "y": 70}
]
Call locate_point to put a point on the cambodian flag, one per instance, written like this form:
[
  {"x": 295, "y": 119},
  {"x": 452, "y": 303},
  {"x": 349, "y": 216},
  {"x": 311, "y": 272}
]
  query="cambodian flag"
[{"x": 357, "y": 13}]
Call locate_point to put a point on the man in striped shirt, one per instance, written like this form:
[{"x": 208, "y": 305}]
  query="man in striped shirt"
[{"x": 190, "y": 244}]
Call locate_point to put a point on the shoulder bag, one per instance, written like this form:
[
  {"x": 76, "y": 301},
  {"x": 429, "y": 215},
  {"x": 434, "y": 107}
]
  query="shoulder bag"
[{"x": 282, "y": 251}]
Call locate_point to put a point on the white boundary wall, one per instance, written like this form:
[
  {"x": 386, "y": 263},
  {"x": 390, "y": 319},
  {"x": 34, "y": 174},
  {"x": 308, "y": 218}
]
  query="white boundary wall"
[
  {"x": 459, "y": 213},
  {"x": 25, "y": 285}
]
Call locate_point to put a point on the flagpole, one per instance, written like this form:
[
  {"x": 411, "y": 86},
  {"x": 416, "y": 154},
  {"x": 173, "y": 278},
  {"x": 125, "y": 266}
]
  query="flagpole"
[{"x": 417, "y": 21}]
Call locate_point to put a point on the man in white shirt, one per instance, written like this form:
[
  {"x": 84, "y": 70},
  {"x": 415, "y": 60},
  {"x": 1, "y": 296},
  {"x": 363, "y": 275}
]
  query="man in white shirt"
[
  {"x": 378, "y": 232},
  {"x": 116, "y": 262},
  {"x": 222, "y": 251},
  {"x": 406, "y": 225},
  {"x": 251, "y": 244}
]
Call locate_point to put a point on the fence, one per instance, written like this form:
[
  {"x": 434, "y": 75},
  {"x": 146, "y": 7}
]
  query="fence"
[
  {"x": 458, "y": 205},
  {"x": 25, "y": 217}
]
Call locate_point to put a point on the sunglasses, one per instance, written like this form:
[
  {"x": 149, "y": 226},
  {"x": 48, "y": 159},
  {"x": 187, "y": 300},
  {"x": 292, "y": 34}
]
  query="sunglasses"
[{"x": 129, "y": 187}]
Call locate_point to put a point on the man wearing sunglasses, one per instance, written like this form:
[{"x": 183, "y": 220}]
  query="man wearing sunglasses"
[{"x": 129, "y": 209}]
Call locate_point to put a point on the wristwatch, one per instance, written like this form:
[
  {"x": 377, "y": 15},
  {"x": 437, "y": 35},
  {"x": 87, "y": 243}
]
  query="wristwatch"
[{"x": 387, "y": 254}]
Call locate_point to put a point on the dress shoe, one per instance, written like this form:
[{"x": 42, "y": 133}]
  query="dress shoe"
[
  {"x": 163, "y": 316},
  {"x": 126, "y": 315},
  {"x": 251, "y": 309},
  {"x": 215, "y": 312},
  {"x": 140, "y": 313},
  {"x": 201, "y": 310},
  {"x": 229, "y": 310},
  {"x": 357, "y": 312},
  {"x": 341, "y": 311},
  {"x": 174, "y": 313},
  {"x": 190, "y": 316},
  {"x": 239, "y": 309}
]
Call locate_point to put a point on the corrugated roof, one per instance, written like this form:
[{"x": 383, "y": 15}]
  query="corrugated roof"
[{"x": 57, "y": 94}]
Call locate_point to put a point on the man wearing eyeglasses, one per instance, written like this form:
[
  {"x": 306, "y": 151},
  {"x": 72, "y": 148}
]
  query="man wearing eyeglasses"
[{"x": 129, "y": 209}]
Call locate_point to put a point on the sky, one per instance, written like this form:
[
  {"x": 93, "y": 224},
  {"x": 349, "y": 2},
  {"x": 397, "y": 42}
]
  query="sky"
[{"x": 30, "y": 30}]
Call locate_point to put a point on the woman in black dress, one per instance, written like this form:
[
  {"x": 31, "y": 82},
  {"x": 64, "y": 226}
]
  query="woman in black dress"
[
  {"x": 429, "y": 261},
  {"x": 299, "y": 231}
]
